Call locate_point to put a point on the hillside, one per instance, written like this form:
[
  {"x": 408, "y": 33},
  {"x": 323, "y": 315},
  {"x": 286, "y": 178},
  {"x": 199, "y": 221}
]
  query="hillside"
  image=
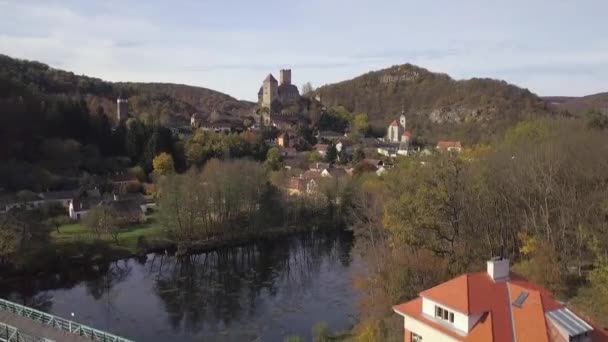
[
  {"x": 162, "y": 101},
  {"x": 436, "y": 105},
  {"x": 579, "y": 105}
]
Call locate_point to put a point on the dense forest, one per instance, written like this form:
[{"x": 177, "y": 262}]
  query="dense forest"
[
  {"x": 55, "y": 126},
  {"x": 163, "y": 102},
  {"x": 437, "y": 106},
  {"x": 537, "y": 196}
]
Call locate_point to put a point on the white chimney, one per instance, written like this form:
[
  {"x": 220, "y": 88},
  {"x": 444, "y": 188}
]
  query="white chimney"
[{"x": 498, "y": 269}]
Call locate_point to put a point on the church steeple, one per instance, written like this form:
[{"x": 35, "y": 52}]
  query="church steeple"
[{"x": 402, "y": 119}]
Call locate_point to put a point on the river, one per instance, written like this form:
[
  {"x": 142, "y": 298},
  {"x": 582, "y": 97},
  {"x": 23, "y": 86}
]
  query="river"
[{"x": 260, "y": 292}]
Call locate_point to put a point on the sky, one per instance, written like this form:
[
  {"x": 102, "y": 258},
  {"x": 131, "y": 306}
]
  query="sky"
[{"x": 552, "y": 47}]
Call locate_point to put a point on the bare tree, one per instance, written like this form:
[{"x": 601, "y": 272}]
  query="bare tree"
[{"x": 307, "y": 89}]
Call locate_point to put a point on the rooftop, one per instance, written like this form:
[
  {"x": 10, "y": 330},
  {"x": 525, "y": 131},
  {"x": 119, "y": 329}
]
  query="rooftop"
[
  {"x": 449, "y": 144},
  {"x": 509, "y": 309}
]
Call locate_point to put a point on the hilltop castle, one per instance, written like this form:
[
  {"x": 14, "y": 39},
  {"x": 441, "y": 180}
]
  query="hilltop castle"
[{"x": 272, "y": 92}]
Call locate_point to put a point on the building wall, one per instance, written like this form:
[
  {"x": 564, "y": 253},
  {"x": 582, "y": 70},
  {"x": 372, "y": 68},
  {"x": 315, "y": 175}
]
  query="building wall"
[
  {"x": 408, "y": 336},
  {"x": 392, "y": 133},
  {"x": 270, "y": 93},
  {"x": 461, "y": 321},
  {"x": 427, "y": 333}
]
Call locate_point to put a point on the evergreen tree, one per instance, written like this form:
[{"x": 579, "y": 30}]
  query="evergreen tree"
[{"x": 332, "y": 153}]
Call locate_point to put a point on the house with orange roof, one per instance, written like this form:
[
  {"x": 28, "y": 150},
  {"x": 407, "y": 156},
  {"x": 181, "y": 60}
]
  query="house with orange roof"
[
  {"x": 495, "y": 305},
  {"x": 449, "y": 146}
]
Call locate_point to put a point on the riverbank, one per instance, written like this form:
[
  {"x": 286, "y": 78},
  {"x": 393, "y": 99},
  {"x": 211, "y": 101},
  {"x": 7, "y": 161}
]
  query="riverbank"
[
  {"x": 263, "y": 290},
  {"x": 75, "y": 245}
]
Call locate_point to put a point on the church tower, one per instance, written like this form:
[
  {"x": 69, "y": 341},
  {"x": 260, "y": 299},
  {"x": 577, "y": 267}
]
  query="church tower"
[{"x": 402, "y": 120}]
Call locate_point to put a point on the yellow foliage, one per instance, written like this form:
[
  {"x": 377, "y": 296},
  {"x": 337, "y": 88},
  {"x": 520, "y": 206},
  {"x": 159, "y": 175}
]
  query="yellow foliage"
[
  {"x": 529, "y": 244},
  {"x": 370, "y": 331},
  {"x": 163, "y": 164}
]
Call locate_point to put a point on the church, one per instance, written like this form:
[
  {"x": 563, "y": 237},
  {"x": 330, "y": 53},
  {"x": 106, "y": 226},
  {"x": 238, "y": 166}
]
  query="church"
[
  {"x": 271, "y": 92},
  {"x": 397, "y": 131}
]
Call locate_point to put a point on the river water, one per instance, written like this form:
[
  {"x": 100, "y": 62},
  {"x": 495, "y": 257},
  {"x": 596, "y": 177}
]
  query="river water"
[{"x": 260, "y": 292}]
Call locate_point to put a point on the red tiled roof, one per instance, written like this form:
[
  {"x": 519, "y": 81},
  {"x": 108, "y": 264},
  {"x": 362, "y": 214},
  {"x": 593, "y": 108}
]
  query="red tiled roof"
[
  {"x": 321, "y": 147},
  {"x": 449, "y": 144},
  {"x": 394, "y": 123},
  {"x": 407, "y": 134},
  {"x": 477, "y": 294}
]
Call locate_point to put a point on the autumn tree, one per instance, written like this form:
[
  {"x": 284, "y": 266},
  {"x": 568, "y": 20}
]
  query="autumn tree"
[
  {"x": 163, "y": 164},
  {"x": 360, "y": 124},
  {"x": 9, "y": 240},
  {"x": 273, "y": 159}
]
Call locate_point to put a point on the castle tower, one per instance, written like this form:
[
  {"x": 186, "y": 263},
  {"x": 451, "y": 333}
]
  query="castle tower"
[
  {"x": 285, "y": 76},
  {"x": 122, "y": 109},
  {"x": 270, "y": 91}
]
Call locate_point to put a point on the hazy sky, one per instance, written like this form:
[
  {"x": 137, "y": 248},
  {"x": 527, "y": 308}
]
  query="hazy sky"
[{"x": 552, "y": 47}]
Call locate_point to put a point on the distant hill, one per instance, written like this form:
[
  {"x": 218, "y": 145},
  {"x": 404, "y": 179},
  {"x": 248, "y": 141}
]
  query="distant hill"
[
  {"x": 579, "y": 105},
  {"x": 437, "y": 106},
  {"x": 163, "y": 101}
]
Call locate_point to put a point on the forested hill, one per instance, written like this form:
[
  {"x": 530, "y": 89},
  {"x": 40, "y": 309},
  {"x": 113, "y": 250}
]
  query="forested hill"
[
  {"x": 437, "y": 106},
  {"x": 162, "y": 101},
  {"x": 579, "y": 105}
]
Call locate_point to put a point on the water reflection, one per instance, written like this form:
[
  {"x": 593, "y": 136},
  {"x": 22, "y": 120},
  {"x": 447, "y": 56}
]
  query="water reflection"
[{"x": 264, "y": 290}]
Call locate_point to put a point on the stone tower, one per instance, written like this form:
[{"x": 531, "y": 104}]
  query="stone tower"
[
  {"x": 270, "y": 91},
  {"x": 122, "y": 109},
  {"x": 285, "y": 76}
]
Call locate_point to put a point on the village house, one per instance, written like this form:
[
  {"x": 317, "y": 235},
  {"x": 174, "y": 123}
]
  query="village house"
[
  {"x": 130, "y": 208},
  {"x": 495, "y": 305},
  {"x": 281, "y": 122},
  {"x": 288, "y": 152},
  {"x": 321, "y": 149},
  {"x": 286, "y": 140},
  {"x": 329, "y": 136},
  {"x": 38, "y": 200},
  {"x": 388, "y": 150},
  {"x": 449, "y": 146},
  {"x": 121, "y": 180},
  {"x": 220, "y": 126},
  {"x": 302, "y": 185},
  {"x": 319, "y": 166},
  {"x": 80, "y": 207},
  {"x": 62, "y": 198}
]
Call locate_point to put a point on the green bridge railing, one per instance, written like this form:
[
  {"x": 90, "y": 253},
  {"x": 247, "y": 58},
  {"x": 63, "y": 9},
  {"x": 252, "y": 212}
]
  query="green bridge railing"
[
  {"x": 55, "y": 322},
  {"x": 9, "y": 333}
]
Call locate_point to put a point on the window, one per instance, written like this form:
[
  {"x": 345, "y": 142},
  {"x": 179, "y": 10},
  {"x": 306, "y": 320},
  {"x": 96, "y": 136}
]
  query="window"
[
  {"x": 444, "y": 314},
  {"x": 416, "y": 338}
]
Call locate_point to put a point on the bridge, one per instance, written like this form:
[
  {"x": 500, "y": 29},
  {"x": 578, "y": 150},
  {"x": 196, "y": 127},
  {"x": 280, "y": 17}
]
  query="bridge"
[{"x": 20, "y": 323}]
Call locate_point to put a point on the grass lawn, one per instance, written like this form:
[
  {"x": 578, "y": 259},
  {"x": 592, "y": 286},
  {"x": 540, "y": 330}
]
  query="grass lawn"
[{"x": 127, "y": 239}]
